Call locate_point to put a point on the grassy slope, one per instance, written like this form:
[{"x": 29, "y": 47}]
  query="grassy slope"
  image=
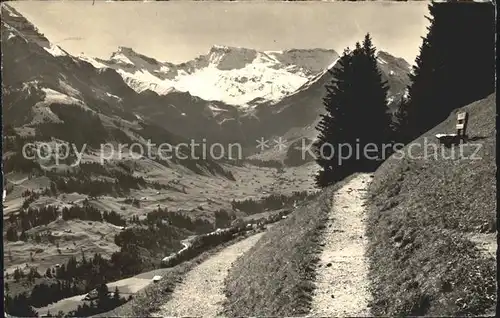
[
  {"x": 421, "y": 213},
  {"x": 274, "y": 278}
]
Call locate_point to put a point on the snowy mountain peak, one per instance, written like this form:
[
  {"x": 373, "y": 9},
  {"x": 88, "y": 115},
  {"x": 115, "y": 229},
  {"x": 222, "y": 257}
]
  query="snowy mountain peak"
[
  {"x": 55, "y": 50},
  {"x": 128, "y": 56},
  {"x": 122, "y": 55},
  {"x": 228, "y": 58},
  {"x": 234, "y": 75},
  {"x": 125, "y": 49}
]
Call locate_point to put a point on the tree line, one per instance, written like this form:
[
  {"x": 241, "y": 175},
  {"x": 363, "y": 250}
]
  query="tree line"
[
  {"x": 141, "y": 248},
  {"x": 271, "y": 202},
  {"x": 33, "y": 217},
  {"x": 161, "y": 216},
  {"x": 105, "y": 301},
  {"x": 73, "y": 278},
  {"x": 223, "y": 219},
  {"x": 43, "y": 294},
  {"x": 28, "y": 219},
  {"x": 263, "y": 163}
]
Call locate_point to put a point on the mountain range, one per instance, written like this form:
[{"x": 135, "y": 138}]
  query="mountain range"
[
  {"x": 228, "y": 94},
  {"x": 233, "y": 75}
]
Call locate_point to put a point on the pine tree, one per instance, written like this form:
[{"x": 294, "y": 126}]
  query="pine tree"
[
  {"x": 17, "y": 274},
  {"x": 455, "y": 66},
  {"x": 23, "y": 236},
  {"x": 71, "y": 267},
  {"x": 11, "y": 234},
  {"x": 400, "y": 134},
  {"x": 373, "y": 122},
  {"x": 333, "y": 123},
  {"x": 103, "y": 298},
  {"x": 116, "y": 297},
  {"x": 356, "y": 116},
  {"x": 19, "y": 306}
]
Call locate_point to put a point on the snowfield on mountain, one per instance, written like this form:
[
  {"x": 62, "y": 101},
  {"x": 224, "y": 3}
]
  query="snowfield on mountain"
[{"x": 233, "y": 75}]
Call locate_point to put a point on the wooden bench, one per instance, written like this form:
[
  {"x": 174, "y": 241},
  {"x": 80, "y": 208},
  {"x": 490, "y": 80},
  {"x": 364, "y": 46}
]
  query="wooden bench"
[
  {"x": 461, "y": 134},
  {"x": 462, "y": 119}
]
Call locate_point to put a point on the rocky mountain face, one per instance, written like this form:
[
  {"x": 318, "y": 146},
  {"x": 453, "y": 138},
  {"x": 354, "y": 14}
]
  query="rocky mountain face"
[
  {"x": 395, "y": 71},
  {"x": 37, "y": 75}
]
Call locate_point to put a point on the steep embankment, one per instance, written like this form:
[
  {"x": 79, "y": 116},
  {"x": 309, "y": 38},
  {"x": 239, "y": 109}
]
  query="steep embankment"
[{"x": 427, "y": 213}]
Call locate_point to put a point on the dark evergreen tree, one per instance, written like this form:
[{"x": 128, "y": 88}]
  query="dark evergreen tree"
[
  {"x": 372, "y": 122},
  {"x": 400, "y": 134},
  {"x": 116, "y": 297},
  {"x": 71, "y": 267},
  {"x": 356, "y": 116},
  {"x": 18, "y": 274},
  {"x": 11, "y": 234},
  {"x": 19, "y": 306},
  {"x": 333, "y": 124},
  {"x": 103, "y": 298},
  {"x": 23, "y": 236},
  {"x": 455, "y": 67}
]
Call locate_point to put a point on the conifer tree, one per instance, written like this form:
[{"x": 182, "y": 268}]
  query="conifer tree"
[
  {"x": 12, "y": 234},
  {"x": 19, "y": 306},
  {"x": 372, "y": 122},
  {"x": 103, "y": 296},
  {"x": 116, "y": 297},
  {"x": 356, "y": 116},
  {"x": 455, "y": 66},
  {"x": 332, "y": 125}
]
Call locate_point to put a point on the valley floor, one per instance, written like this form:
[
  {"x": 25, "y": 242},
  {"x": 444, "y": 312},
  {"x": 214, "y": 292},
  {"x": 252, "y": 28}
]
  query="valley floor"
[{"x": 203, "y": 196}]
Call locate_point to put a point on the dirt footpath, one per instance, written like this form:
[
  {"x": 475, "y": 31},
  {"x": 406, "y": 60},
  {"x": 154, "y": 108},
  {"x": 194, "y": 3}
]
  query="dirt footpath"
[
  {"x": 202, "y": 291},
  {"x": 341, "y": 281}
]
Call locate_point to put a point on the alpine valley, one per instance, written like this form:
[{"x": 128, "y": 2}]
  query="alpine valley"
[{"x": 61, "y": 213}]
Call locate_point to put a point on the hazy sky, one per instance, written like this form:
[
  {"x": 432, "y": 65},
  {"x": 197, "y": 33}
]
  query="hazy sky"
[{"x": 179, "y": 31}]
